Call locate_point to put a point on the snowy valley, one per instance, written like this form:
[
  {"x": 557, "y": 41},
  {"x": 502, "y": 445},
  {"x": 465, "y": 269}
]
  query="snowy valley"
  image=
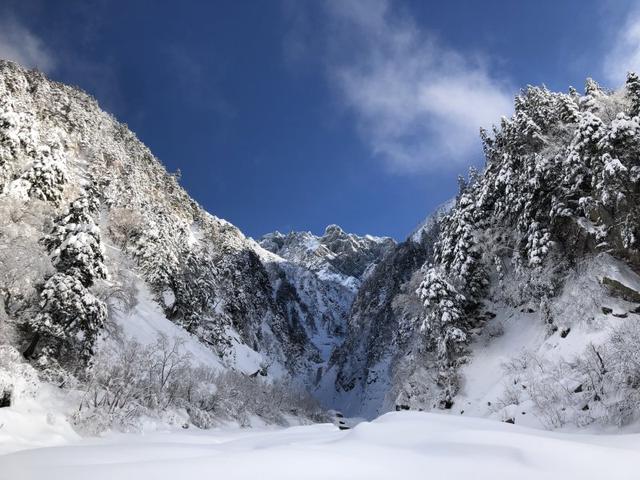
[{"x": 125, "y": 308}]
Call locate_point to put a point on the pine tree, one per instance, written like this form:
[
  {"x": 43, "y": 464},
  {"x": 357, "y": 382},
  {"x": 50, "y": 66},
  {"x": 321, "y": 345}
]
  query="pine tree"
[
  {"x": 71, "y": 317},
  {"x": 633, "y": 93},
  {"x": 74, "y": 242},
  {"x": 538, "y": 244},
  {"x": 444, "y": 325},
  {"x": 46, "y": 177},
  {"x": 570, "y": 111},
  {"x": 592, "y": 91},
  {"x": 458, "y": 250},
  {"x": 158, "y": 249},
  {"x": 194, "y": 290}
]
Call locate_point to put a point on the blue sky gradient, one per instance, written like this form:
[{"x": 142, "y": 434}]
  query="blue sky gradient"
[{"x": 297, "y": 114}]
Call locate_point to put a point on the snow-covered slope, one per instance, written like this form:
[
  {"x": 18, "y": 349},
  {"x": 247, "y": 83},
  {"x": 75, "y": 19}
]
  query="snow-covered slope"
[
  {"x": 397, "y": 445},
  {"x": 82, "y": 198},
  {"x": 430, "y": 223},
  {"x": 524, "y": 306},
  {"x": 517, "y": 363},
  {"x": 86, "y": 208}
]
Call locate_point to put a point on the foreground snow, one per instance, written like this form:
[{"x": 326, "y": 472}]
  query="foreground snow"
[{"x": 397, "y": 445}]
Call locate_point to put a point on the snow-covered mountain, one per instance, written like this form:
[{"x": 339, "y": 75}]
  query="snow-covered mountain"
[
  {"x": 336, "y": 255},
  {"x": 102, "y": 251},
  {"x": 516, "y": 301},
  {"x": 358, "y": 368},
  {"x": 318, "y": 278}
]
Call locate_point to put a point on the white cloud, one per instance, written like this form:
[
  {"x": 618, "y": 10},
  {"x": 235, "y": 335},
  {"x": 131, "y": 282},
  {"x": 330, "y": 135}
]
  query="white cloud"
[
  {"x": 21, "y": 46},
  {"x": 625, "y": 52},
  {"x": 419, "y": 104}
]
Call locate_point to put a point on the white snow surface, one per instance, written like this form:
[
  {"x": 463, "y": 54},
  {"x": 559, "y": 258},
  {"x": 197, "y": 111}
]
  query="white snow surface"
[
  {"x": 577, "y": 308},
  {"x": 38, "y": 421},
  {"x": 396, "y": 445},
  {"x": 146, "y": 320}
]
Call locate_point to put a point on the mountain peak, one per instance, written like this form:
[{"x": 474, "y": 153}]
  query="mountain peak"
[{"x": 333, "y": 229}]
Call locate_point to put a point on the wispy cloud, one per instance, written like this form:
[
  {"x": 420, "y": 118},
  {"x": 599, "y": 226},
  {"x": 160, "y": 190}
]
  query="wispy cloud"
[
  {"x": 20, "y": 45},
  {"x": 624, "y": 53},
  {"x": 419, "y": 104}
]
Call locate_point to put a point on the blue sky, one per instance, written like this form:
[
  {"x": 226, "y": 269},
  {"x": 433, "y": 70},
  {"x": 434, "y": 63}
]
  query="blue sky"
[{"x": 292, "y": 115}]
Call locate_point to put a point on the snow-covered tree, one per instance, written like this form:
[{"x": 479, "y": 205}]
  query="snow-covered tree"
[
  {"x": 633, "y": 93},
  {"x": 23, "y": 261},
  {"x": 458, "y": 250},
  {"x": 45, "y": 179},
  {"x": 74, "y": 242},
  {"x": 592, "y": 92},
  {"x": 444, "y": 325},
  {"x": 157, "y": 246},
  {"x": 8, "y": 142},
  {"x": 70, "y": 316},
  {"x": 70, "y": 319}
]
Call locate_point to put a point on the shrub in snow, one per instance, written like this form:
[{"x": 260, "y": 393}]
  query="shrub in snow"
[
  {"x": 129, "y": 381},
  {"x": 601, "y": 385}
]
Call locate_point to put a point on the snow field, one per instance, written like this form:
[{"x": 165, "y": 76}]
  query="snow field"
[{"x": 398, "y": 445}]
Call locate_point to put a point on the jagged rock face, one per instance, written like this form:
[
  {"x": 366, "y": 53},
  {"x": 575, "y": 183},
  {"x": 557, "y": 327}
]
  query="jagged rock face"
[
  {"x": 316, "y": 280},
  {"x": 372, "y": 319},
  {"x": 354, "y": 255},
  {"x": 334, "y": 253},
  {"x": 373, "y": 329}
]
